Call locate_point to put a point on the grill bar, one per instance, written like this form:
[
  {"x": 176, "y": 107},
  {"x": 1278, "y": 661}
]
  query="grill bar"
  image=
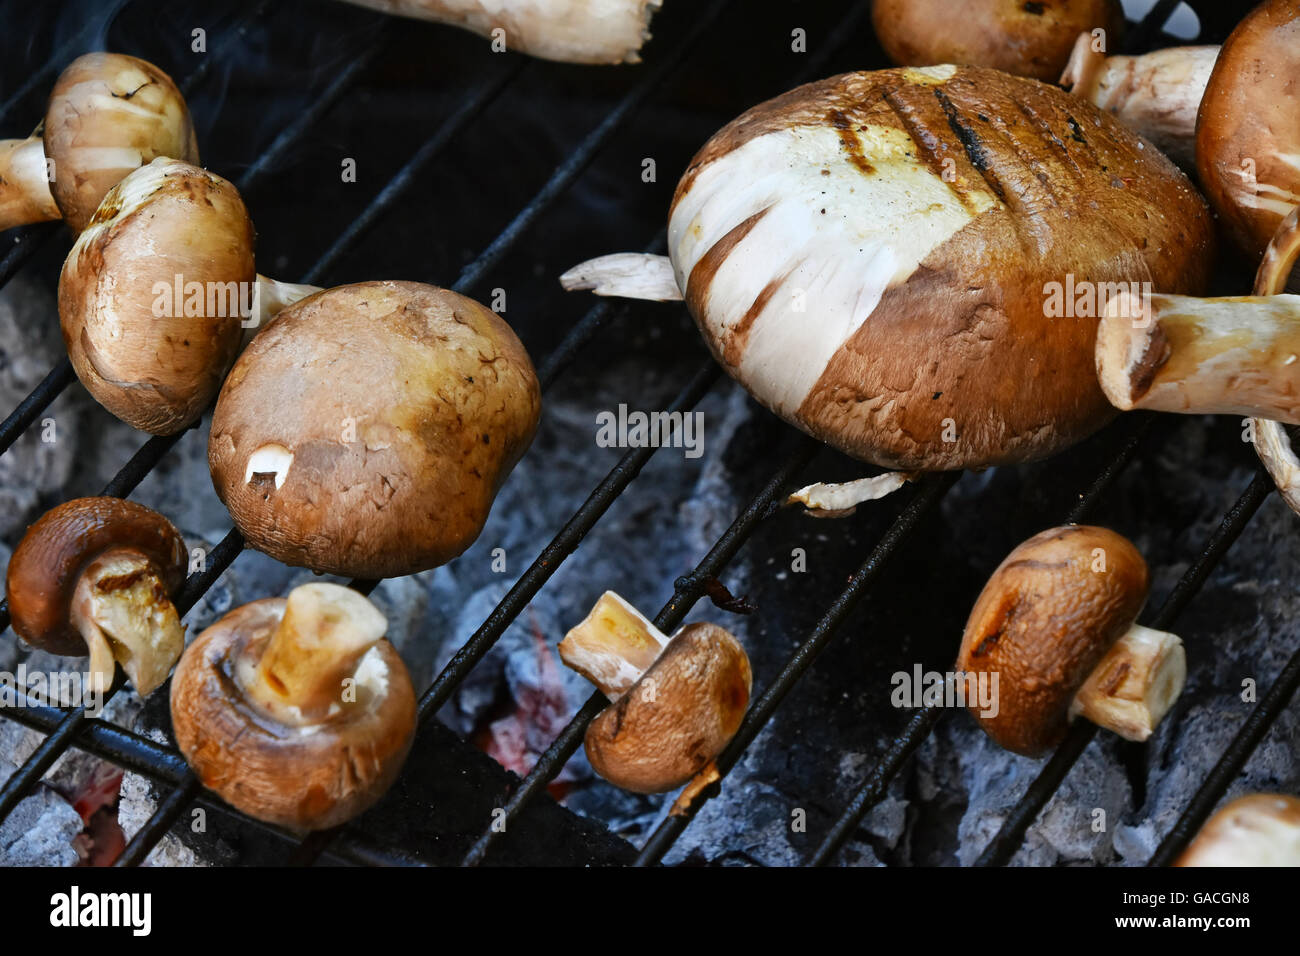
[{"x": 1003, "y": 846}]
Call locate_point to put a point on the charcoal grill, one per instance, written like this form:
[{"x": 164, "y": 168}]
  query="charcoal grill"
[{"x": 683, "y": 40}]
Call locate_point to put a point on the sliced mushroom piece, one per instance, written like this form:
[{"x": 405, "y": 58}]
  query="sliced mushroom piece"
[
  {"x": 1248, "y": 129},
  {"x": 1158, "y": 93},
  {"x": 880, "y": 275},
  {"x": 96, "y": 576},
  {"x": 571, "y": 31},
  {"x": 296, "y": 710},
  {"x": 1056, "y": 625},
  {"x": 1260, "y": 829},
  {"x": 675, "y": 702},
  {"x": 1031, "y": 39},
  {"x": 366, "y": 430},
  {"x": 108, "y": 115}
]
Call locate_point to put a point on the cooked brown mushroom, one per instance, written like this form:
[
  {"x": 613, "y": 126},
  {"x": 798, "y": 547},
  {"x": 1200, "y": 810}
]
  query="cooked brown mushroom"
[
  {"x": 296, "y": 711},
  {"x": 1259, "y": 829},
  {"x": 96, "y": 576},
  {"x": 1055, "y": 627},
  {"x": 157, "y": 291},
  {"x": 1248, "y": 130},
  {"x": 1027, "y": 39},
  {"x": 366, "y": 431},
  {"x": 871, "y": 257},
  {"x": 675, "y": 702},
  {"x": 1158, "y": 93},
  {"x": 108, "y": 115}
]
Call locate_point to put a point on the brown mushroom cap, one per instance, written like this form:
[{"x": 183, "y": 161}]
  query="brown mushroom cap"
[
  {"x": 1248, "y": 128},
  {"x": 920, "y": 218},
  {"x": 1025, "y": 38},
  {"x": 367, "y": 429},
  {"x": 49, "y": 560},
  {"x": 308, "y": 777},
  {"x": 151, "y": 356},
  {"x": 677, "y": 717},
  {"x": 108, "y": 115},
  {"x": 1043, "y": 623},
  {"x": 1259, "y": 829}
]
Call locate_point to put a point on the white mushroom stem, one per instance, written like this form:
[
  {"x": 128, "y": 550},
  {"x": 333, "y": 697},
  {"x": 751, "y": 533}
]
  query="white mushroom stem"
[
  {"x": 613, "y": 646},
  {"x": 1260, "y": 829},
  {"x": 1157, "y": 94},
  {"x": 24, "y": 184},
  {"x": 1231, "y": 356},
  {"x": 825, "y": 500},
  {"x": 270, "y": 298},
  {"x": 572, "y": 31},
  {"x": 315, "y": 650},
  {"x": 627, "y": 275},
  {"x": 1135, "y": 684},
  {"x": 1272, "y": 443},
  {"x": 121, "y": 609}
]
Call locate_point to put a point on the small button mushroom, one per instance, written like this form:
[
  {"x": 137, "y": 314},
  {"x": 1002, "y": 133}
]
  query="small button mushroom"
[
  {"x": 1248, "y": 130},
  {"x": 108, "y": 115},
  {"x": 675, "y": 703},
  {"x": 1025, "y": 38},
  {"x": 296, "y": 710},
  {"x": 96, "y": 576},
  {"x": 1260, "y": 829},
  {"x": 1158, "y": 94},
  {"x": 366, "y": 431},
  {"x": 1055, "y": 624}
]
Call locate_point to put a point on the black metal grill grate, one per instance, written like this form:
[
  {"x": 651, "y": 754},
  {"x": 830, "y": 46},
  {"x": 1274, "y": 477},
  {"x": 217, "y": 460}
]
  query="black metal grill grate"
[{"x": 73, "y": 727}]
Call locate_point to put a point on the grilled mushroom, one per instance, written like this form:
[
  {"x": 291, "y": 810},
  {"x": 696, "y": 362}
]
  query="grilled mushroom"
[
  {"x": 675, "y": 702},
  {"x": 1260, "y": 829},
  {"x": 1027, "y": 39},
  {"x": 366, "y": 431},
  {"x": 573, "y": 31},
  {"x": 96, "y": 576},
  {"x": 1158, "y": 93},
  {"x": 296, "y": 711},
  {"x": 108, "y": 115},
  {"x": 1248, "y": 130},
  {"x": 155, "y": 294},
  {"x": 871, "y": 256},
  {"x": 1055, "y": 627}
]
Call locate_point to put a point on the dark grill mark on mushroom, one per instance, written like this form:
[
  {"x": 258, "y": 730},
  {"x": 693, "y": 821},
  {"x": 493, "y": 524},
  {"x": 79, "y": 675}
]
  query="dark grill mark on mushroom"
[{"x": 849, "y": 140}]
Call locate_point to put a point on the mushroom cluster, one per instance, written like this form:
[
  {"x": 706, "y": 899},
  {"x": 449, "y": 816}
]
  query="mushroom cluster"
[
  {"x": 366, "y": 431},
  {"x": 296, "y": 710},
  {"x": 96, "y": 576},
  {"x": 675, "y": 702},
  {"x": 1056, "y": 624},
  {"x": 108, "y": 115}
]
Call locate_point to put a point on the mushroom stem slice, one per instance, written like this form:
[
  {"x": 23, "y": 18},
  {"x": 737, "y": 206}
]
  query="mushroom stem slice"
[
  {"x": 613, "y": 646},
  {"x": 325, "y": 631},
  {"x": 1157, "y": 94},
  {"x": 627, "y": 275},
  {"x": 25, "y": 195},
  {"x": 120, "y": 607},
  {"x": 1259, "y": 829},
  {"x": 270, "y": 298},
  {"x": 1230, "y": 356},
  {"x": 840, "y": 500},
  {"x": 1135, "y": 684}
]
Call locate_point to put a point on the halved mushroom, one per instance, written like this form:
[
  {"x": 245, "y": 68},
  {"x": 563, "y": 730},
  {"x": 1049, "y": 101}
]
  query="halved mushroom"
[
  {"x": 872, "y": 257},
  {"x": 1158, "y": 93},
  {"x": 96, "y": 576},
  {"x": 675, "y": 702},
  {"x": 296, "y": 711},
  {"x": 1260, "y": 829},
  {"x": 1028, "y": 39},
  {"x": 1248, "y": 130},
  {"x": 572, "y": 31},
  {"x": 1055, "y": 626},
  {"x": 108, "y": 114},
  {"x": 157, "y": 291},
  {"x": 366, "y": 431}
]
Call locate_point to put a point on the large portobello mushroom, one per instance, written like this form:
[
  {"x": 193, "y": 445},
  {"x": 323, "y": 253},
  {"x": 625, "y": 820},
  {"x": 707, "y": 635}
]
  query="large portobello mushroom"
[{"x": 880, "y": 259}]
